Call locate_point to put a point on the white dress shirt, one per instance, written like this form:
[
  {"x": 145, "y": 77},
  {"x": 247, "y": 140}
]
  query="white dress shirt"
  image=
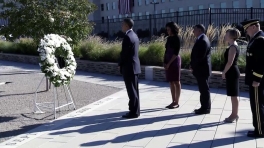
[
  {"x": 200, "y": 36},
  {"x": 128, "y": 31}
]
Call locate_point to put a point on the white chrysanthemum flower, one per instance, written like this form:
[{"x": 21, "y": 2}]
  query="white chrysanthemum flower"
[
  {"x": 42, "y": 58},
  {"x": 50, "y": 60},
  {"x": 46, "y": 51}
]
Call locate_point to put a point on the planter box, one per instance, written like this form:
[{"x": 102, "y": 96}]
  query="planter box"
[{"x": 148, "y": 72}]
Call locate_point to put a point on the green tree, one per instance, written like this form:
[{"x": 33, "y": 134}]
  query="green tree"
[{"x": 35, "y": 18}]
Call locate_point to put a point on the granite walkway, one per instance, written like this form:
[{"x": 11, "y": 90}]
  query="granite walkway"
[{"x": 99, "y": 124}]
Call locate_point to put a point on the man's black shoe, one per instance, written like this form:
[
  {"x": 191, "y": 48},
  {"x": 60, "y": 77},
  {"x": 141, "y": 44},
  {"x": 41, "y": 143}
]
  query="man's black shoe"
[
  {"x": 202, "y": 111},
  {"x": 255, "y": 134},
  {"x": 130, "y": 116}
]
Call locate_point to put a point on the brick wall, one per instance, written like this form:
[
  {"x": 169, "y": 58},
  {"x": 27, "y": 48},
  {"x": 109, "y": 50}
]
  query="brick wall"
[{"x": 148, "y": 72}]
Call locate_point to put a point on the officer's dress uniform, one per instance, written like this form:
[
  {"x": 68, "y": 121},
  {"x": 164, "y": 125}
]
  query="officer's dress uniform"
[{"x": 254, "y": 72}]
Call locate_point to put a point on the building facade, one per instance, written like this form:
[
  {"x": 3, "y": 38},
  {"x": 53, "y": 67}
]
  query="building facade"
[
  {"x": 152, "y": 15},
  {"x": 108, "y": 9}
]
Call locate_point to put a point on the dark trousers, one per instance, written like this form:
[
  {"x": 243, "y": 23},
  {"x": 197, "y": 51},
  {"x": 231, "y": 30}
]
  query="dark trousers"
[
  {"x": 205, "y": 98},
  {"x": 131, "y": 82},
  {"x": 257, "y": 107}
]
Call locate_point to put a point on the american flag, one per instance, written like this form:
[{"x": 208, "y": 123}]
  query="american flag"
[{"x": 125, "y": 6}]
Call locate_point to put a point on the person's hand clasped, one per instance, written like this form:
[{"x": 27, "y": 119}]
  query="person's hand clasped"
[
  {"x": 223, "y": 75},
  {"x": 255, "y": 84},
  {"x": 167, "y": 66},
  {"x": 190, "y": 68}
]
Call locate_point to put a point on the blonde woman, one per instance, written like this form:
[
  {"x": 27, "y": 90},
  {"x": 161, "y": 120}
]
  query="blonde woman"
[{"x": 231, "y": 72}]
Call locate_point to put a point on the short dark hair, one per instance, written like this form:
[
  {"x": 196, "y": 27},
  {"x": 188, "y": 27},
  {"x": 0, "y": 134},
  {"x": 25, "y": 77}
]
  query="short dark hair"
[
  {"x": 129, "y": 22},
  {"x": 174, "y": 27},
  {"x": 201, "y": 27}
]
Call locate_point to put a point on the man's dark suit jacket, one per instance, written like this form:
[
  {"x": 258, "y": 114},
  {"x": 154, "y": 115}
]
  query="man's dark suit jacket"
[
  {"x": 201, "y": 57},
  {"x": 129, "y": 61}
]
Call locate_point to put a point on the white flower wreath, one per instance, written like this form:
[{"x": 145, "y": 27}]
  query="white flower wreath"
[{"x": 50, "y": 44}]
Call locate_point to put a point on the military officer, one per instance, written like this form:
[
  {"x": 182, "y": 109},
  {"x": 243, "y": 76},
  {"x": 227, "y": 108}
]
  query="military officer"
[{"x": 254, "y": 73}]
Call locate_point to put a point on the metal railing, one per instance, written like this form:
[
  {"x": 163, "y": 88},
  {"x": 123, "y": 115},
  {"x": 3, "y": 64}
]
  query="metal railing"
[{"x": 152, "y": 24}]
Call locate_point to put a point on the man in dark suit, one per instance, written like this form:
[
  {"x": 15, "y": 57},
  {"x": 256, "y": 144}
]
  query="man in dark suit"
[
  {"x": 129, "y": 66},
  {"x": 201, "y": 67},
  {"x": 254, "y": 74}
]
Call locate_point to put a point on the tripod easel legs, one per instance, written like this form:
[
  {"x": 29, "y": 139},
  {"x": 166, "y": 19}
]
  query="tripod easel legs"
[
  {"x": 55, "y": 105},
  {"x": 48, "y": 84}
]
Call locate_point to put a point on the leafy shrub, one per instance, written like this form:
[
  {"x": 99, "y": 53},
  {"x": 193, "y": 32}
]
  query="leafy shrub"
[
  {"x": 8, "y": 47},
  {"x": 217, "y": 59},
  {"x": 141, "y": 53},
  {"x": 22, "y": 46},
  {"x": 95, "y": 48},
  {"x": 154, "y": 54},
  {"x": 185, "y": 58},
  {"x": 92, "y": 48},
  {"x": 112, "y": 53},
  {"x": 27, "y": 46}
]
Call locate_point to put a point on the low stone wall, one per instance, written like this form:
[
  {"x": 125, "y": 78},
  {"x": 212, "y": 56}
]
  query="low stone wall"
[
  {"x": 215, "y": 81},
  {"x": 148, "y": 72}
]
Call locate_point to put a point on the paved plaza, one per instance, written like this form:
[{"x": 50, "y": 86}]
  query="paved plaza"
[{"x": 99, "y": 124}]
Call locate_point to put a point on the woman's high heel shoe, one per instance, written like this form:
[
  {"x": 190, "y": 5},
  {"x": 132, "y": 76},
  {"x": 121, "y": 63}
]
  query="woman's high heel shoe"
[
  {"x": 172, "y": 106},
  {"x": 228, "y": 120}
]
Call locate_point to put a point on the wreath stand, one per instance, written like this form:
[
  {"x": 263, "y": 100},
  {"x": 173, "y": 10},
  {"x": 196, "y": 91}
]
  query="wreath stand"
[{"x": 55, "y": 105}]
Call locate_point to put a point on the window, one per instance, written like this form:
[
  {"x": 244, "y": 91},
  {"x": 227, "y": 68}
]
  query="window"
[
  {"x": 108, "y": 17},
  {"x": 139, "y": 2},
  {"x": 200, "y": 9},
  {"x": 102, "y": 7},
  {"x": 114, "y": 18},
  {"x": 180, "y": 11},
  {"x": 248, "y": 3},
  {"x": 147, "y": 14},
  {"x": 140, "y": 15},
  {"x": 190, "y": 10},
  {"x": 163, "y": 1},
  {"x": 120, "y": 17},
  {"x": 261, "y": 3},
  {"x": 235, "y": 4},
  {"x": 114, "y": 6},
  {"x": 172, "y": 12},
  {"x": 133, "y": 15},
  {"x": 163, "y": 13},
  {"x": 147, "y": 2},
  {"x": 107, "y": 6},
  {"x": 223, "y": 7},
  {"x": 126, "y": 15},
  {"x": 102, "y": 19},
  {"x": 212, "y": 7}
]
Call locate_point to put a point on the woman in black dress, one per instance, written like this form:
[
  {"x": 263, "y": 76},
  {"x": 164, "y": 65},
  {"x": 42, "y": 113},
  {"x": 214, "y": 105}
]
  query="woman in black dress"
[
  {"x": 231, "y": 72},
  {"x": 172, "y": 63}
]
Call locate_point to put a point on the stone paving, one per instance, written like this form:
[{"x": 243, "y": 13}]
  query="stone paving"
[
  {"x": 99, "y": 124},
  {"x": 16, "y": 106}
]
